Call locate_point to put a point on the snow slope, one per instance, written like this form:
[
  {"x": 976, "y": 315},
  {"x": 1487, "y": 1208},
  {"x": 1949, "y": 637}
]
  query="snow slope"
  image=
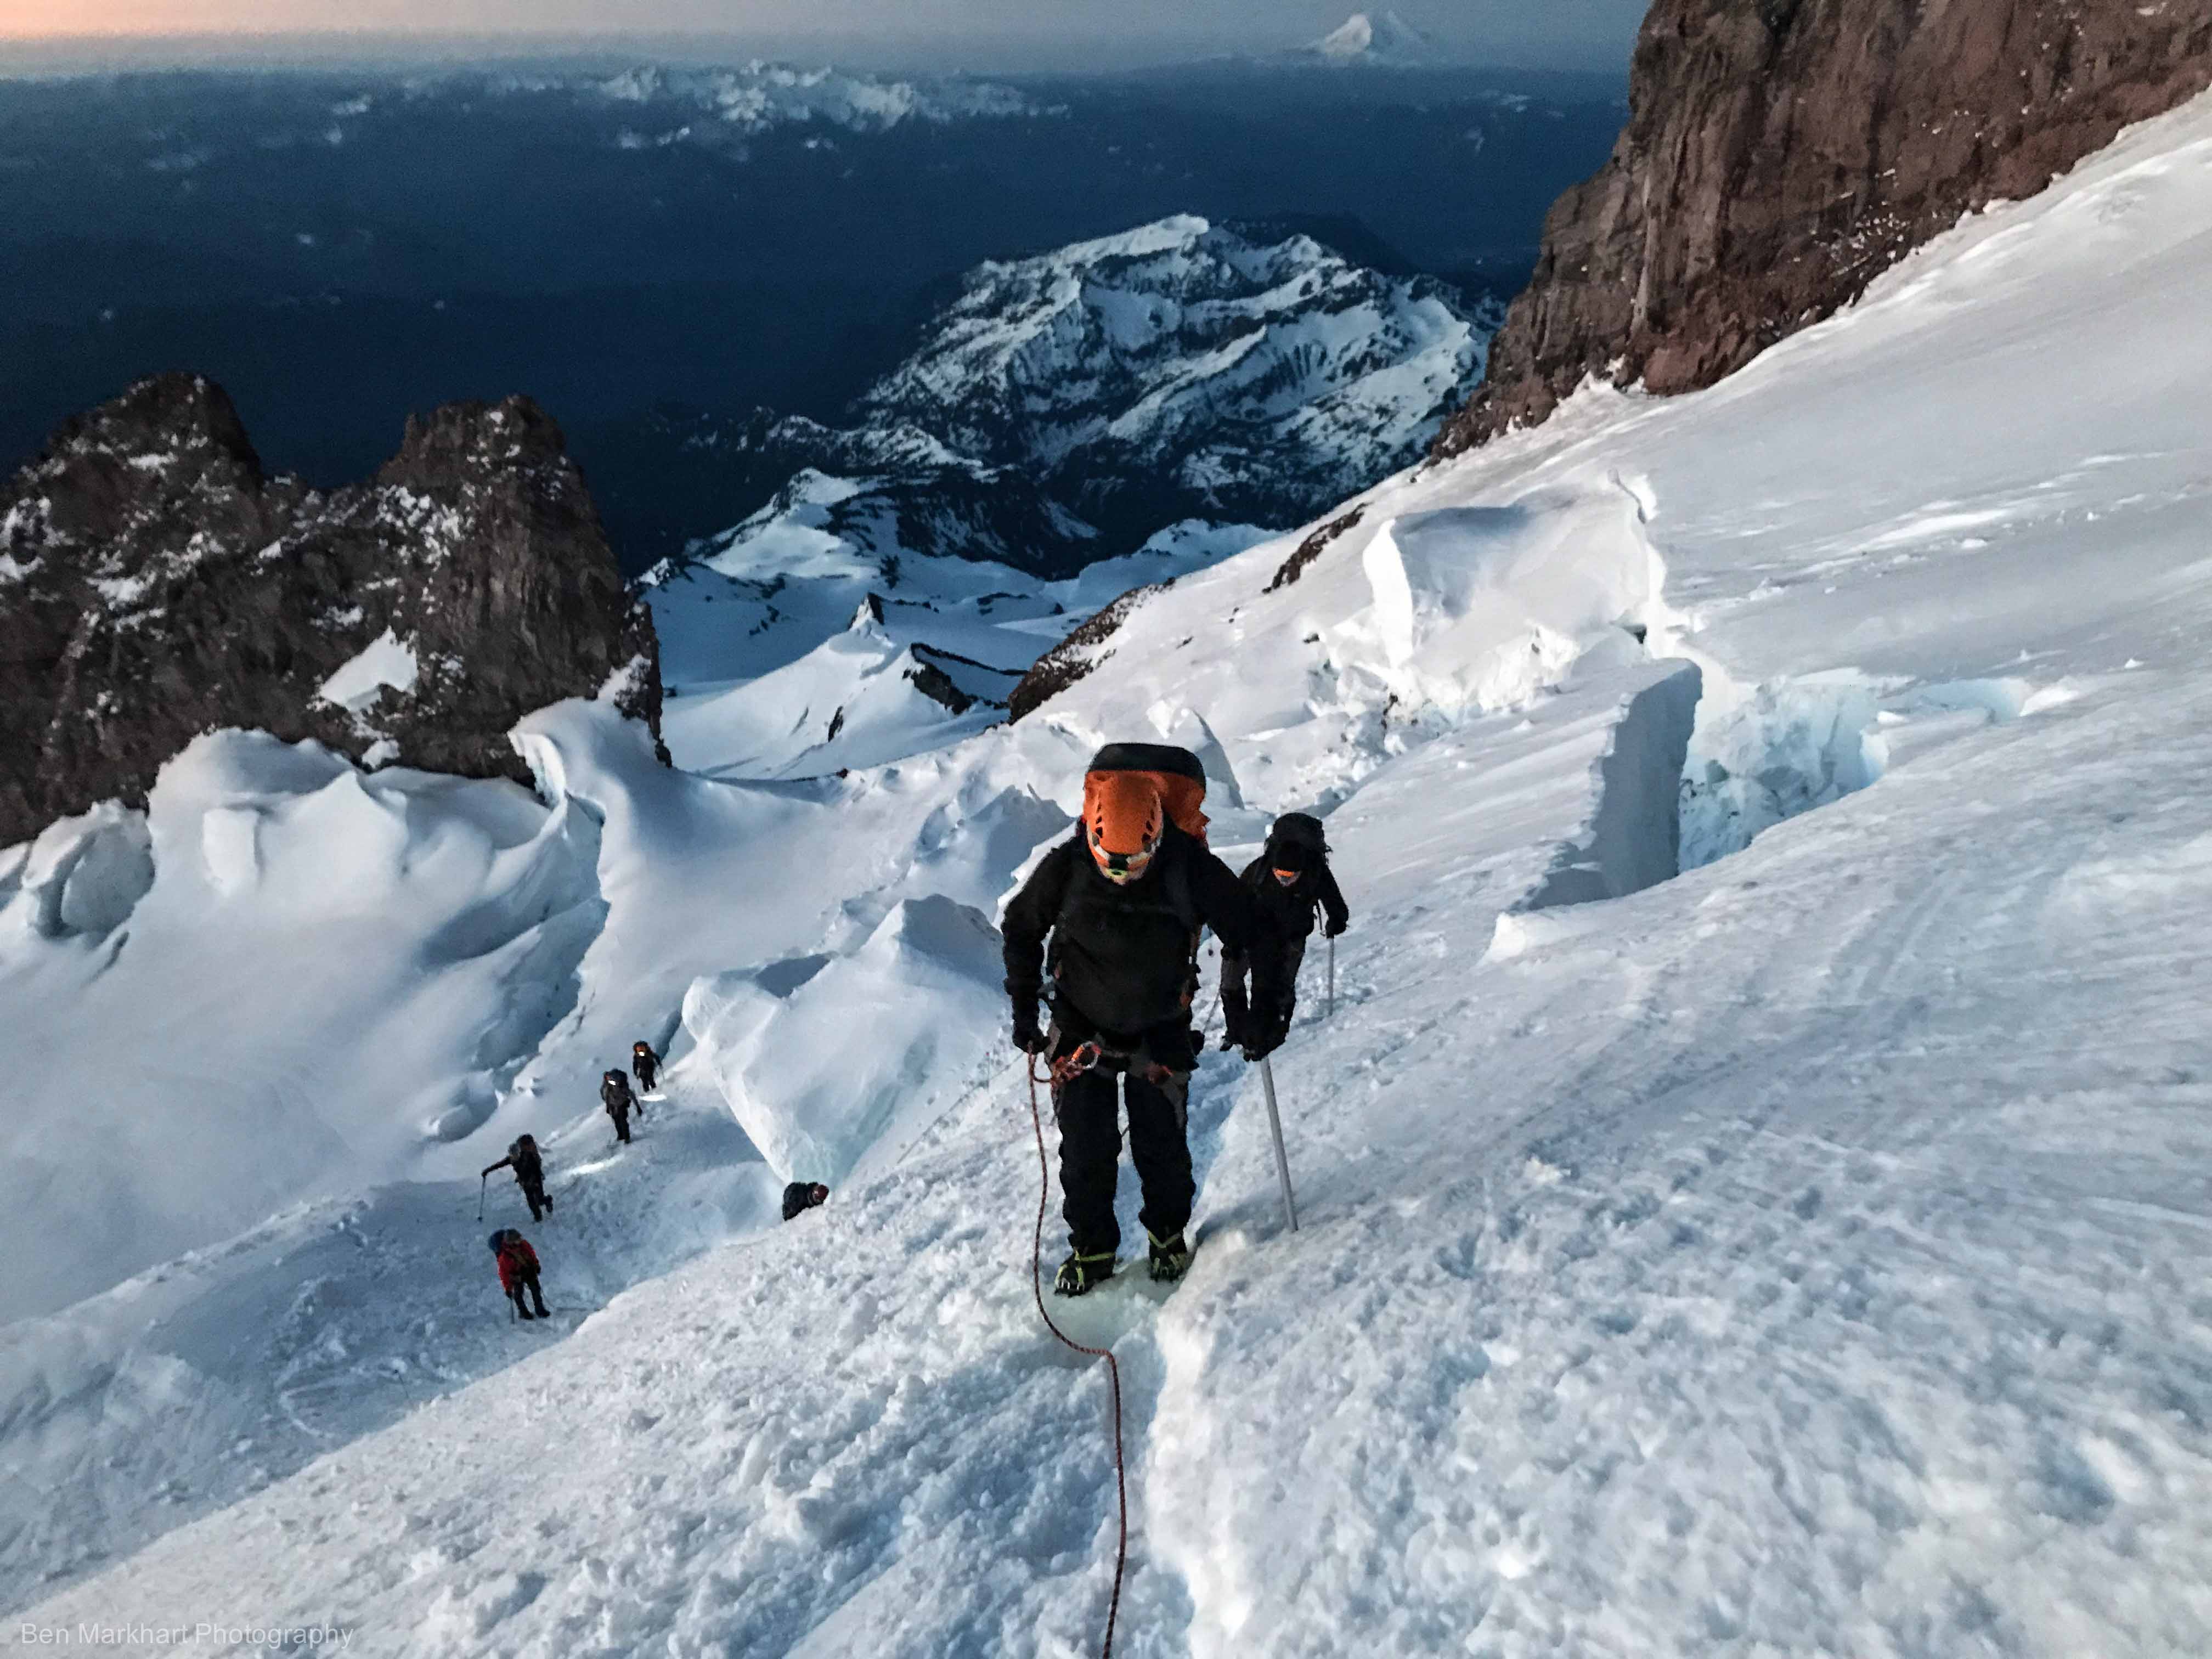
[
  {"x": 207, "y": 1378},
  {"x": 230, "y": 1024},
  {"x": 821, "y": 665},
  {"x": 1796, "y": 1256}
]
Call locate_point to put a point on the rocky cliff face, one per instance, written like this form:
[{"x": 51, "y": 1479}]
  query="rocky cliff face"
[
  {"x": 1779, "y": 153},
  {"x": 155, "y": 584}
]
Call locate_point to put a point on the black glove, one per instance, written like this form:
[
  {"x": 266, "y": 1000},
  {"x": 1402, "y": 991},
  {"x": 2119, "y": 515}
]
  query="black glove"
[
  {"x": 1263, "y": 1037},
  {"x": 1028, "y": 1038},
  {"x": 1331, "y": 927}
]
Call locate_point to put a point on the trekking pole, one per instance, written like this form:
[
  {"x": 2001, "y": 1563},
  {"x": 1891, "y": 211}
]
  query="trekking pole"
[
  {"x": 482, "y": 1180},
  {"x": 1332, "y": 977},
  {"x": 1275, "y": 1129}
]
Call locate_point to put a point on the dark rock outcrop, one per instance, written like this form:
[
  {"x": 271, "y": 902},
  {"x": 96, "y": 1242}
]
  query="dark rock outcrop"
[
  {"x": 1078, "y": 654},
  {"x": 155, "y": 584},
  {"x": 1780, "y": 154},
  {"x": 1311, "y": 549}
]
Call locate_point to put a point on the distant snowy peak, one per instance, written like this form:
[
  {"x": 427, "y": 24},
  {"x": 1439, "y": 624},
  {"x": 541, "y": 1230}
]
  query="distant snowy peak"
[
  {"x": 1065, "y": 408},
  {"x": 1190, "y": 352},
  {"x": 762, "y": 96},
  {"x": 1376, "y": 38}
]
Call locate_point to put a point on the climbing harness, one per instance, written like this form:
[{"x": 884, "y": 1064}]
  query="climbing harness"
[
  {"x": 1090, "y": 1056},
  {"x": 1074, "y": 1064}
]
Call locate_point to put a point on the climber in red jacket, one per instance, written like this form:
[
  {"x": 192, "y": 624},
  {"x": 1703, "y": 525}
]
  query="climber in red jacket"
[{"x": 518, "y": 1271}]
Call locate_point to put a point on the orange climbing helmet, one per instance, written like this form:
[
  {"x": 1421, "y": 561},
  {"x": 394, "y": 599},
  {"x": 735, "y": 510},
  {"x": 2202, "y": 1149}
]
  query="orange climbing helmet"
[
  {"x": 1129, "y": 792},
  {"x": 1123, "y": 820}
]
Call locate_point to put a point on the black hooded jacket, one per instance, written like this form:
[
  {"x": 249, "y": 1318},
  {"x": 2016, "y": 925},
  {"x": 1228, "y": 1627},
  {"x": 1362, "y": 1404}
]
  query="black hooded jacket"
[
  {"x": 1121, "y": 959},
  {"x": 1289, "y": 911},
  {"x": 615, "y": 1096},
  {"x": 528, "y": 1169}
]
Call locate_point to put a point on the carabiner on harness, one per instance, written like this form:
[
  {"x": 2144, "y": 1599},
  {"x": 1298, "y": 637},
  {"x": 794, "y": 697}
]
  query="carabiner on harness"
[{"x": 1083, "y": 1057}]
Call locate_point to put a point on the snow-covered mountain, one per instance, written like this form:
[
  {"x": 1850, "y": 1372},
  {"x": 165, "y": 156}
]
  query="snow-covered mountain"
[
  {"x": 1376, "y": 40},
  {"x": 761, "y": 94},
  {"x": 1113, "y": 412},
  {"x": 1258, "y": 380},
  {"x": 1751, "y": 1185},
  {"x": 1183, "y": 369}
]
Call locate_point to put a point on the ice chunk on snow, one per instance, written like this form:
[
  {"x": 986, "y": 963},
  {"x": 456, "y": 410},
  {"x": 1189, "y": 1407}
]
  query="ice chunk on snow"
[
  {"x": 86, "y": 874},
  {"x": 1482, "y": 607},
  {"x": 866, "y": 1051},
  {"x": 1785, "y": 748},
  {"x": 229, "y": 846},
  {"x": 383, "y": 661}
]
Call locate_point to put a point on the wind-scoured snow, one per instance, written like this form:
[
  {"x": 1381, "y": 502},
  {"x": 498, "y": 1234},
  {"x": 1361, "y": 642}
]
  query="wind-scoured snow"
[
  {"x": 746, "y": 707},
  {"x": 777, "y": 1042},
  {"x": 1796, "y": 1255}
]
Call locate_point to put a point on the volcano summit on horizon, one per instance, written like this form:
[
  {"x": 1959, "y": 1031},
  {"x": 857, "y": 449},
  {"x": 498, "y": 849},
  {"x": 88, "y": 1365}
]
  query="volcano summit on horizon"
[{"x": 1381, "y": 39}]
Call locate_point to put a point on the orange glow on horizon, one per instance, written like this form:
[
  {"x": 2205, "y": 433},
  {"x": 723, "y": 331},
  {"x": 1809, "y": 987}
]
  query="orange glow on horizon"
[{"x": 154, "y": 19}]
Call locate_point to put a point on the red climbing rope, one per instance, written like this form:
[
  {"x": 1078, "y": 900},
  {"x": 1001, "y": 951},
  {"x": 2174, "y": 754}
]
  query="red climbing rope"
[{"x": 1113, "y": 1368}]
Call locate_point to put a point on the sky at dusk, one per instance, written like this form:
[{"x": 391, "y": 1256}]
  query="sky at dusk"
[{"x": 947, "y": 33}]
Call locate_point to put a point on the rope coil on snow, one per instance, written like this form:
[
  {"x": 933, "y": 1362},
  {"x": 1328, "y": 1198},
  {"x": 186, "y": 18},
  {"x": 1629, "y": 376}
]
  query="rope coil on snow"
[{"x": 1113, "y": 1366}]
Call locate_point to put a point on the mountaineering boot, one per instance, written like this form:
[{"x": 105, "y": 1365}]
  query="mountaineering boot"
[
  {"x": 1080, "y": 1273},
  {"x": 1170, "y": 1259}
]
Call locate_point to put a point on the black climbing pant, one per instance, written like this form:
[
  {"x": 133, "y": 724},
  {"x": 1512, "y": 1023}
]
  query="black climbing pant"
[
  {"x": 622, "y": 1126},
  {"x": 534, "y": 1194},
  {"x": 1089, "y": 1117},
  {"x": 528, "y": 1283},
  {"x": 1236, "y": 1008}
]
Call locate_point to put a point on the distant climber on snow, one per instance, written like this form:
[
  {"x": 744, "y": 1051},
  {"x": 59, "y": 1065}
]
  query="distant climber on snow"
[
  {"x": 1289, "y": 878},
  {"x": 615, "y": 1096},
  {"x": 802, "y": 1195},
  {"x": 518, "y": 1271},
  {"x": 645, "y": 1064},
  {"x": 1124, "y": 902},
  {"x": 529, "y": 1174}
]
